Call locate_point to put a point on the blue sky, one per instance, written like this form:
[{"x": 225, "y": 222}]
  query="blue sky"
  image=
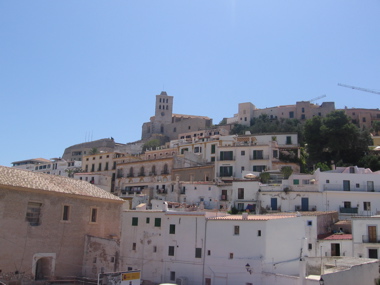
[{"x": 78, "y": 67}]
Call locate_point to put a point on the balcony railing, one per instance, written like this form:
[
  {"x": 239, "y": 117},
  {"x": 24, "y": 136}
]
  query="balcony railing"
[
  {"x": 261, "y": 157},
  {"x": 223, "y": 198},
  {"x": 164, "y": 172},
  {"x": 343, "y": 210},
  {"x": 225, "y": 174},
  {"x": 308, "y": 209},
  {"x": 226, "y": 159},
  {"x": 162, "y": 191},
  {"x": 141, "y": 174},
  {"x": 371, "y": 239},
  {"x": 353, "y": 188}
]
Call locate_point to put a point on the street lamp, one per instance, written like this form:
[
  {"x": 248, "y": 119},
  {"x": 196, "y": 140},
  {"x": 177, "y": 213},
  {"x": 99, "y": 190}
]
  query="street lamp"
[
  {"x": 321, "y": 281},
  {"x": 248, "y": 267}
]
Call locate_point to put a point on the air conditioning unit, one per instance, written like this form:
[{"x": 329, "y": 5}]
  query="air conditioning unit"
[{"x": 181, "y": 281}]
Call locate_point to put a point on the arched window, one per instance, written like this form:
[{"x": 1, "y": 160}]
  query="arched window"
[
  {"x": 165, "y": 169},
  {"x": 131, "y": 172},
  {"x": 153, "y": 170},
  {"x": 142, "y": 171}
]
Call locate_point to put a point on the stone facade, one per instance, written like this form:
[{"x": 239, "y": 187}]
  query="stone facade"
[{"x": 44, "y": 221}]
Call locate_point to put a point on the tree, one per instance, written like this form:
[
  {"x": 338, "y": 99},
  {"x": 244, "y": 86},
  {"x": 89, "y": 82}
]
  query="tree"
[
  {"x": 370, "y": 161},
  {"x": 335, "y": 138},
  {"x": 376, "y": 127},
  {"x": 93, "y": 151},
  {"x": 151, "y": 144},
  {"x": 286, "y": 171}
]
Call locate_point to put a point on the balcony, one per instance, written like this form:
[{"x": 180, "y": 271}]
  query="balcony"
[
  {"x": 371, "y": 239},
  {"x": 162, "y": 191},
  {"x": 141, "y": 174},
  {"x": 309, "y": 208},
  {"x": 339, "y": 187},
  {"x": 226, "y": 158},
  {"x": 343, "y": 210},
  {"x": 259, "y": 157},
  {"x": 223, "y": 198}
]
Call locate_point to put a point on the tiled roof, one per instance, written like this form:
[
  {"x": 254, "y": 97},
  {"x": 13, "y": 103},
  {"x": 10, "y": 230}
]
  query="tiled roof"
[
  {"x": 15, "y": 177},
  {"x": 336, "y": 236}
]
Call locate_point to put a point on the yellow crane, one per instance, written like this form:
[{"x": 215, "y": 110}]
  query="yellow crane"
[{"x": 359, "y": 88}]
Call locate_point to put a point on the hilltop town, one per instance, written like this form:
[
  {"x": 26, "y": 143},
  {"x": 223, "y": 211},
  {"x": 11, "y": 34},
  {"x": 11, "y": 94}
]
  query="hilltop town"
[{"x": 281, "y": 195}]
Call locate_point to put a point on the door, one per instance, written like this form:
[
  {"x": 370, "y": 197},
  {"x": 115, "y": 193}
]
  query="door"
[
  {"x": 370, "y": 187},
  {"x": 304, "y": 204},
  {"x": 273, "y": 204},
  {"x": 372, "y": 234},
  {"x": 335, "y": 249},
  {"x": 346, "y": 185}
]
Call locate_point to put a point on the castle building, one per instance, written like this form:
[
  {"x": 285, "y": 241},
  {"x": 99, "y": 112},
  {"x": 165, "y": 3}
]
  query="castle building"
[{"x": 164, "y": 122}]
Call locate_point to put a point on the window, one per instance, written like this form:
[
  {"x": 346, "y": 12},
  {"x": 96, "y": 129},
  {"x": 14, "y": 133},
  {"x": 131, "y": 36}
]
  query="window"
[
  {"x": 100, "y": 167},
  {"x": 172, "y": 275},
  {"x": 213, "y": 147},
  {"x": 288, "y": 140},
  {"x": 240, "y": 193},
  {"x": 367, "y": 206},
  {"x": 310, "y": 246},
  {"x": 65, "y": 213},
  {"x": 372, "y": 253},
  {"x": 303, "y": 110},
  {"x": 242, "y": 168},
  {"x": 197, "y": 149},
  {"x": 33, "y": 213},
  {"x": 226, "y": 155},
  {"x": 303, "y": 117},
  {"x": 112, "y": 259},
  {"x": 357, "y": 185},
  {"x": 275, "y": 153},
  {"x": 309, "y": 223},
  {"x": 291, "y": 115},
  {"x": 106, "y": 167},
  {"x": 157, "y": 222},
  {"x": 225, "y": 171},
  {"x": 94, "y": 260},
  {"x": 258, "y": 168},
  {"x": 257, "y": 154},
  {"x": 198, "y": 252},
  {"x": 259, "y": 233},
  {"x": 231, "y": 255},
  {"x": 135, "y": 221},
  {"x": 134, "y": 246},
  {"x": 209, "y": 252},
  {"x": 92, "y": 167},
  {"x": 327, "y": 181},
  {"x": 236, "y": 230},
  {"x": 364, "y": 120},
  {"x": 242, "y": 152},
  {"x": 296, "y": 182},
  {"x": 172, "y": 229},
  {"x": 347, "y": 204},
  {"x": 171, "y": 251},
  {"x": 154, "y": 248},
  {"x": 94, "y": 215},
  {"x": 147, "y": 220}
]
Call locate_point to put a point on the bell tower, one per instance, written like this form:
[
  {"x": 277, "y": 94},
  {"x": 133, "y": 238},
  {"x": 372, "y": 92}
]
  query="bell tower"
[{"x": 163, "y": 113}]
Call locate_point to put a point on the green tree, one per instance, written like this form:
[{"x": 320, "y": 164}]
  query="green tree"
[
  {"x": 322, "y": 166},
  {"x": 370, "y": 161},
  {"x": 286, "y": 171},
  {"x": 376, "y": 127},
  {"x": 335, "y": 138},
  {"x": 151, "y": 144},
  {"x": 93, "y": 151}
]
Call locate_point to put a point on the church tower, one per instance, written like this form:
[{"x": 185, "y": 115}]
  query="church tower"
[{"x": 163, "y": 113}]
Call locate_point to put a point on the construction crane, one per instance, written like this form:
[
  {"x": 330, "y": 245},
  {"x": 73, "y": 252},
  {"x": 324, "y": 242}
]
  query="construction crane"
[
  {"x": 359, "y": 88},
  {"x": 317, "y": 98}
]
